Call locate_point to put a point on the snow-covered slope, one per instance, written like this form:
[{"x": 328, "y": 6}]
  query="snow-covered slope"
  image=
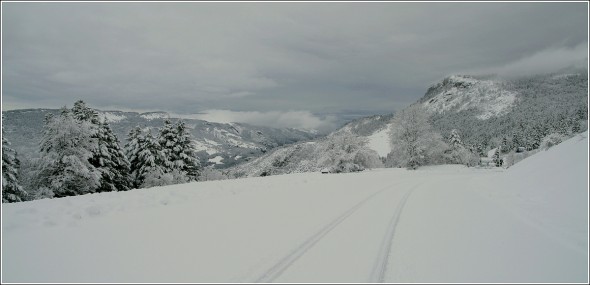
[
  {"x": 528, "y": 223},
  {"x": 451, "y": 224},
  {"x": 484, "y": 110},
  {"x": 380, "y": 141},
  {"x": 457, "y": 93},
  {"x": 368, "y": 136}
]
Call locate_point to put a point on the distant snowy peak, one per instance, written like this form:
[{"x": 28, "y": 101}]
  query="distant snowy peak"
[
  {"x": 460, "y": 92},
  {"x": 111, "y": 117},
  {"x": 155, "y": 115}
]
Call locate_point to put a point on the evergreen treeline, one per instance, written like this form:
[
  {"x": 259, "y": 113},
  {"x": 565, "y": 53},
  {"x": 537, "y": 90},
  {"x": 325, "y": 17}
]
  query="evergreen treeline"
[
  {"x": 545, "y": 105},
  {"x": 80, "y": 154}
]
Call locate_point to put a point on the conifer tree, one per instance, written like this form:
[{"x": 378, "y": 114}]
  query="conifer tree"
[
  {"x": 111, "y": 161},
  {"x": 12, "y": 191},
  {"x": 107, "y": 157},
  {"x": 151, "y": 171},
  {"x": 146, "y": 159},
  {"x": 186, "y": 154},
  {"x": 176, "y": 144},
  {"x": 516, "y": 140},
  {"x": 66, "y": 149},
  {"x": 85, "y": 113},
  {"x": 497, "y": 160},
  {"x": 455, "y": 139},
  {"x": 135, "y": 140},
  {"x": 168, "y": 141}
]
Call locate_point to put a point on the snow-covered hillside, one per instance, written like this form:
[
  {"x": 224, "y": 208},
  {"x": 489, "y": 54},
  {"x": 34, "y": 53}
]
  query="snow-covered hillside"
[
  {"x": 380, "y": 141},
  {"x": 437, "y": 224},
  {"x": 361, "y": 142},
  {"x": 457, "y": 93},
  {"x": 24, "y": 129}
]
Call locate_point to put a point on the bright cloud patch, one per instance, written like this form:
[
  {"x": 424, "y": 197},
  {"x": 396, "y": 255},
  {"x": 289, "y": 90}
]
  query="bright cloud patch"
[{"x": 290, "y": 119}]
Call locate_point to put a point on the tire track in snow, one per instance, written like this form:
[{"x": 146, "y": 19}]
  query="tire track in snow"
[
  {"x": 382, "y": 261},
  {"x": 275, "y": 271}
]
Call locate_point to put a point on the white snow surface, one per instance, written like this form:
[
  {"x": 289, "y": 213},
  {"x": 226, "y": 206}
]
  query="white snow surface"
[
  {"x": 232, "y": 139},
  {"x": 445, "y": 224},
  {"x": 380, "y": 142},
  {"x": 206, "y": 145},
  {"x": 216, "y": 160}
]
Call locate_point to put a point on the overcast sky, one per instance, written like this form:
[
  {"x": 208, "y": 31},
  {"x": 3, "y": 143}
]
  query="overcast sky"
[{"x": 272, "y": 61}]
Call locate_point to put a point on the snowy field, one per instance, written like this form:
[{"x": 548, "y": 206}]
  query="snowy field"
[{"x": 452, "y": 224}]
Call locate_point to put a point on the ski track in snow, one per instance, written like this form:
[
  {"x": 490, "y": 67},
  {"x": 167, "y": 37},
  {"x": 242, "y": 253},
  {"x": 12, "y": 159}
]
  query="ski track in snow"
[
  {"x": 276, "y": 270},
  {"x": 382, "y": 261}
]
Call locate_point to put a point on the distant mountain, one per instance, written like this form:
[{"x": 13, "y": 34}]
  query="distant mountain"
[
  {"x": 486, "y": 110},
  {"x": 348, "y": 148},
  {"x": 221, "y": 145}
]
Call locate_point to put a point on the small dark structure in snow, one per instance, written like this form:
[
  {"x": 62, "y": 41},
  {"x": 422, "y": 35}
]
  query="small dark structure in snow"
[{"x": 520, "y": 149}]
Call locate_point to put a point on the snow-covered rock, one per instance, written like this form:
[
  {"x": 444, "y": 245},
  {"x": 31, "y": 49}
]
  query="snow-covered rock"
[{"x": 457, "y": 93}]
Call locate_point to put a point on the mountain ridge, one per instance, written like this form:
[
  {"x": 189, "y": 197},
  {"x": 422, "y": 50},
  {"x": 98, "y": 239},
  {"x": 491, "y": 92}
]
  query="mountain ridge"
[
  {"x": 485, "y": 110},
  {"x": 233, "y": 142}
]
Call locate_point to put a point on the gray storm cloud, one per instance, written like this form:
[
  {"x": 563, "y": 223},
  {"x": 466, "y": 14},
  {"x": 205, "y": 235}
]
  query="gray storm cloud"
[{"x": 271, "y": 57}]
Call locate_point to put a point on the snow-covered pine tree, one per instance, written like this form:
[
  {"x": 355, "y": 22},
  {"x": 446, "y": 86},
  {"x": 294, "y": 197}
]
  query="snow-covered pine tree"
[
  {"x": 107, "y": 157},
  {"x": 145, "y": 159},
  {"x": 458, "y": 152},
  {"x": 177, "y": 148},
  {"x": 562, "y": 125},
  {"x": 455, "y": 139},
  {"x": 506, "y": 147},
  {"x": 168, "y": 141},
  {"x": 111, "y": 161},
  {"x": 135, "y": 139},
  {"x": 85, "y": 113},
  {"x": 536, "y": 137},
  {"x": 66, "y": 148},
  {"x": 186, "y": 154},
  {"x": 12, "y": 191},
  {"x": 152, "y": 163},
  {"x": 517, "y": 140},
  {"x": 496, "y": 159}
]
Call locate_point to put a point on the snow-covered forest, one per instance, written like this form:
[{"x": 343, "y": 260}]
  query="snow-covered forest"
[
  {"x": 79, "y": 153},
  {"x": 546, "y": 110}
]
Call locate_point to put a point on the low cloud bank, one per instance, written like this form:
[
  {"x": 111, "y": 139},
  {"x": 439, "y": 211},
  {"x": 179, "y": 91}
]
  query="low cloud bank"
[
  {"x": 545, "y": 61},
  {"x": 276, "y": 119}
]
